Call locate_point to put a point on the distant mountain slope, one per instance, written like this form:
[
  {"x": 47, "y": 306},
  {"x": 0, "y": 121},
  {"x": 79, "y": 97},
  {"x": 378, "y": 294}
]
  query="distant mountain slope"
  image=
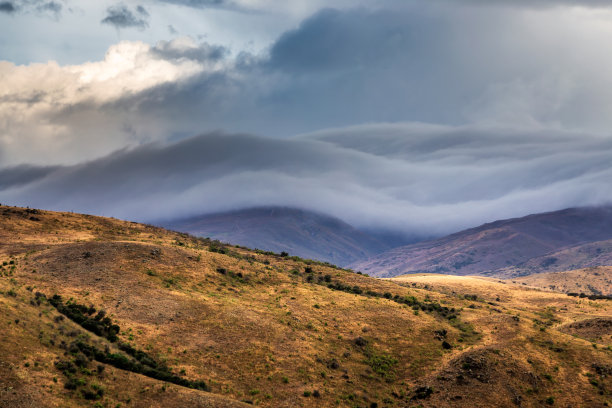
[
  {"x": 505, "y": 248},
  {"x": 298, "y": 232},
  {"x": 566, "y": 259},
  {"x": 590, "y": 281}
]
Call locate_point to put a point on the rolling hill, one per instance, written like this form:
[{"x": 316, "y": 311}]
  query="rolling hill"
[
  {"x": 100, "y": 312},
  {"x": 590, "y": 281},
  {"x": 554, "y": 241},
  {"x": 299, "y": 232}
]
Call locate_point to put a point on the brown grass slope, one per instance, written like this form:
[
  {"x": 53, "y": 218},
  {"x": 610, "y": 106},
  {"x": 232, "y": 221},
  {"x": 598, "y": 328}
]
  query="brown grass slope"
[
  {"x": 504, "y": 248},
  {"x": 275, "y": 331},
  {"x": 595, "y": 280}
]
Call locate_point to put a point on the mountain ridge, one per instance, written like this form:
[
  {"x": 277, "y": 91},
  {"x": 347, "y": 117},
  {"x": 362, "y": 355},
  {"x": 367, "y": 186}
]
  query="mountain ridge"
[
  {"x": 300, "y": 232},
  {"x": 498, "y": 248}
]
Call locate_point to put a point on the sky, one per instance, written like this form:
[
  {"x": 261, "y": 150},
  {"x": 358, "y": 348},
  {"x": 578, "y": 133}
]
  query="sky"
[{"x": 418, "y": 116}]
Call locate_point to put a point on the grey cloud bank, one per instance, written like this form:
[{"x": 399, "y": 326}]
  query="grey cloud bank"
[{"x": 426, "y": 181}]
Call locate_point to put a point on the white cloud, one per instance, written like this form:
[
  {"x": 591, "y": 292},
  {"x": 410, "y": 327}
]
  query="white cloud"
[{"x": 33, "y": 96}]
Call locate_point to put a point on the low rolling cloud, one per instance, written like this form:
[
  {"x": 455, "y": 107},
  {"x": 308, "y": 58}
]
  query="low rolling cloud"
[{"x": 426, "y": 180}]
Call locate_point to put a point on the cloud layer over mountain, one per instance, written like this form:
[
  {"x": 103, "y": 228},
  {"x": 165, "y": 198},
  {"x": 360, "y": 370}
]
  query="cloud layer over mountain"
[{"x": 417, "y": 179}]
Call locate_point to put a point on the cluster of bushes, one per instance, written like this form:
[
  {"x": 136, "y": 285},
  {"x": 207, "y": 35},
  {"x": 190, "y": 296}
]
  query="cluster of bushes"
[
  {"x": 427, "y": 306},
  {"x": 80, "y": 364},
  {"x": 10, "y": 268},
  {"x": 346, "y": 288},
  {"x": 235, "y": 275},
  {"x": 137, "y": 362},
  {"x": 224, "y": 249},
  {"x": 217, "y": 249},
  {"x": 590, "y": 297},
  {"x": 285, "y": 255},
  {"x": 84, "y": 316},
  {"x": 141, "y": 363}
]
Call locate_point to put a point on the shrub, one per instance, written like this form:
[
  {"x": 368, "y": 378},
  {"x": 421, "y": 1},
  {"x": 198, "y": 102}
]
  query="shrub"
[
  {"x": 382, "y": 364},
  {"x": 361, "y": 342},
  {"x": 422, "y": 392},
  {"x": 100, "y": 325}
]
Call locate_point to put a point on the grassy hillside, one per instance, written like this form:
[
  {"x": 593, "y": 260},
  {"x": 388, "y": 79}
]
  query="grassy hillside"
[
  {"x": 191, "y": 322},
  {"x": 595, "y": 280}
]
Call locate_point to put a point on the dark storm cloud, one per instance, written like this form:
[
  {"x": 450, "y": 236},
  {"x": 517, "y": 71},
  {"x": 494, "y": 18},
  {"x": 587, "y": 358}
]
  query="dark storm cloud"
[
  {"x": 7, "y": 7},
  {"x": 42, "y": 7},
  {"x": 120, "y": 16},
  {"x": 426, "y": 180},
  {"x": 337, "y": 66}
]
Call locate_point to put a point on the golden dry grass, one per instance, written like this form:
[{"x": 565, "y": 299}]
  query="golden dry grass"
[
  {"x": 595, "y": 280},
  {"x": 270, "y": 337}
]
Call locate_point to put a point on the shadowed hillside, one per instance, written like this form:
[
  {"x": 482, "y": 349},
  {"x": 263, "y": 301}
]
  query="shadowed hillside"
[
  {"x": 102, "y": 312},
  {"x": 299, "y": 232},
  {"x": 555, "y": 241}
]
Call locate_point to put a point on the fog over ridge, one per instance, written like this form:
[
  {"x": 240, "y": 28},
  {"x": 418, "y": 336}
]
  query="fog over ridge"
[{"x": 422, "y": 188}]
